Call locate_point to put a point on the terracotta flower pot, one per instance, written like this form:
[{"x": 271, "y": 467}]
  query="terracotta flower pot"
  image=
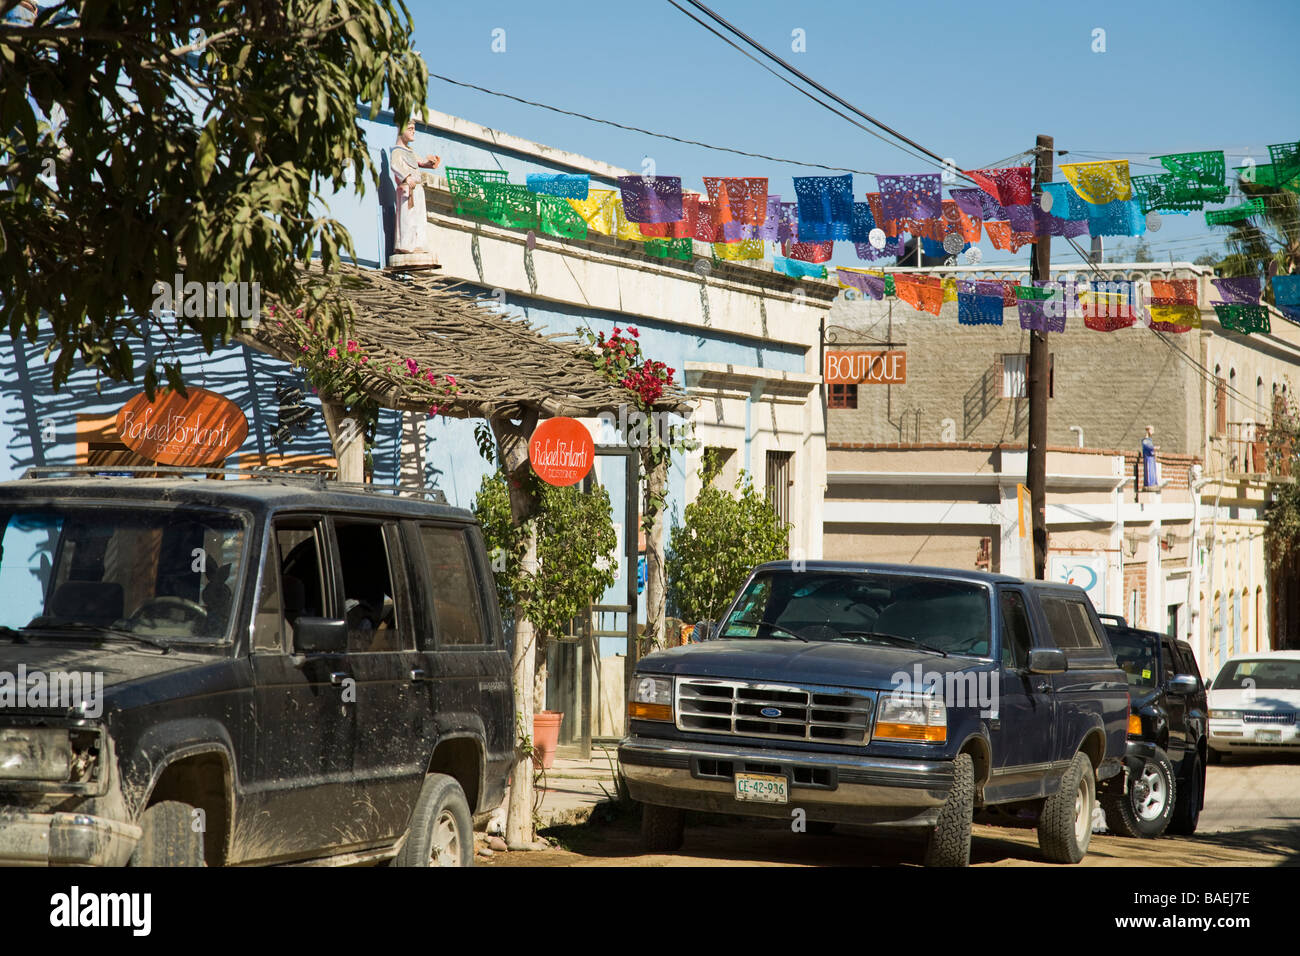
[{"x": 546, "y": 736}]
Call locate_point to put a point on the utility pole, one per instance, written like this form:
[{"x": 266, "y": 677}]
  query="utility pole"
[{"x": 1040, "y": 267}]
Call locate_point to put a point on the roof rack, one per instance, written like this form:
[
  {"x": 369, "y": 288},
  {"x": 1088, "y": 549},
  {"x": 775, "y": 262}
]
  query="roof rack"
[{"x": 316, "y": 479}]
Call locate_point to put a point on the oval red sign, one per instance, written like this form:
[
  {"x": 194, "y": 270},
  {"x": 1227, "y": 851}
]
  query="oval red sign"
[
  {"x": 203, "y": 428},
  {"x": 561, "y": 451}
]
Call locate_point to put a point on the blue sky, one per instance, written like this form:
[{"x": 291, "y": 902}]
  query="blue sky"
[{"x": 973, "y": 81}]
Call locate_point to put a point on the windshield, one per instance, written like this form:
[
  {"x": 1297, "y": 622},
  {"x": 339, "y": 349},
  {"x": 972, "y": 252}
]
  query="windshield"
[
  {"x": 1136, "y": 656},
  {"x": 865, "y": 608},
  {"x": 160, "y": 574},
  {"x": 1265, "y": 674}
]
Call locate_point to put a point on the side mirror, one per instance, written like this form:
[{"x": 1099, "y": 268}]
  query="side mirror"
[
  {"x": 320, "y": 635},
  {"x": 1184, "y": 684},
  {"x": 703, "y": 631},
  {"x": 1047, "y": 660}
]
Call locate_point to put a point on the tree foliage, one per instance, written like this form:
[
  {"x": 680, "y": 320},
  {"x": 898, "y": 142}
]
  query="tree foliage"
[
  {"x": 721, "y": 539},
  {"x": 575, "y": 542},
  {"x": 1270, "y": 248},
  {"x": 141, "y": 139},
  {"x": 1282, "y": 533}
]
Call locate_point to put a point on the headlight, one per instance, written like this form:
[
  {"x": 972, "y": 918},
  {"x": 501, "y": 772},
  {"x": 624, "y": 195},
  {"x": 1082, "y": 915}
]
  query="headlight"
[
  {"x": 35, "y": 753},
  {"x": 920, "y": 717},
  {"x": 652, "y": 698},
  {"x": 1226, "y": 714}
]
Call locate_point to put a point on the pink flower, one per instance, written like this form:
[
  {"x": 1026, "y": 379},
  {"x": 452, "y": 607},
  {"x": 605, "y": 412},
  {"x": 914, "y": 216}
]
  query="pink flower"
[
  {"x": 431, "y": 377},
  {"x": 434, "y": 409},
  {"x": 302, "y": 348},
  {"x": 451, "y": 379},
  {"x": 365, "y": 359},
  {"x": 333, "y": 353},
  {"x": 352, "y": 346},
  {"x": 633, "y": 332},
  {"x": 412, "y": 367}
]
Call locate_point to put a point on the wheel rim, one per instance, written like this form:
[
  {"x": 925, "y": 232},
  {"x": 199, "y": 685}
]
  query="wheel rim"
[
  {"x": 444, "y": 849},
  {"x": 1150, "y": 793},
  {"x": 1083, "y": 811}
]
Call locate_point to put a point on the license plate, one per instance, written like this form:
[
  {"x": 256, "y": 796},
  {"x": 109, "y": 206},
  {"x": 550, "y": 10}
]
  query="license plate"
[
  {"x": 1268, "y": 736},
  {"x": 762, "y": 788}
]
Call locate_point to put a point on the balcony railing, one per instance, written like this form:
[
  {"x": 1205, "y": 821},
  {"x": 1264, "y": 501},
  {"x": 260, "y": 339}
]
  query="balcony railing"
[{"x": 1245, "y": 448}]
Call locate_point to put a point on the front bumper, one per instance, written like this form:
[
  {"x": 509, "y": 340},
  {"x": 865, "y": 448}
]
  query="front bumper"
[
  {"x": 64, "y": 839},
  {"x": 837, "y": 788},
  {"x": 1244, "y": 736}
]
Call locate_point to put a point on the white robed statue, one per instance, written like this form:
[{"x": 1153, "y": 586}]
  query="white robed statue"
[{"x": 409, "y": 178}]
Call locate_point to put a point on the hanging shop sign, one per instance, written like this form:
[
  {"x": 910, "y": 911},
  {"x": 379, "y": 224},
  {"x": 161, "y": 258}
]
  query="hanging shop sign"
[
  {"x": 199, "y": 428},
  {"x": 561, "y": 451},
  {"x": 866, "y": 368}
]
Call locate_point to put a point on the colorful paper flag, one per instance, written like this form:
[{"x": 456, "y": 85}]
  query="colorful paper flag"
[
  {"x": 562, "y": 185},
  {"x": 917, "y": 196},
  {"x": 923, "y": 293},
  {"x": 824, "y": 199},
  {"x": 868, "y": 283},
  {"x": 1010, "y": 186},
  {"x": 1241, "y": 318},
  {"x": 737, "y": 199},
  {"x": 798, "y": 269},
  {"x": 976, "y": 309},
  {"x": 1238, "y": 290},
  {"x": 1100, "y": 182},
  {"x": 651, "y": 198}
]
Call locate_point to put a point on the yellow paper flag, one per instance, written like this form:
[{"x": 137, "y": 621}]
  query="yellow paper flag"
[{"x": 1100, "y": 182}]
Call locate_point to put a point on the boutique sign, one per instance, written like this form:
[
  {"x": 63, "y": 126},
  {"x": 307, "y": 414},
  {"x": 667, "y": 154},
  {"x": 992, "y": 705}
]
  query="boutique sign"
[
  {"x": 561, "y": 451},
  {"x": 199, "y": 428},
  {"x": 866, "y": 368}
]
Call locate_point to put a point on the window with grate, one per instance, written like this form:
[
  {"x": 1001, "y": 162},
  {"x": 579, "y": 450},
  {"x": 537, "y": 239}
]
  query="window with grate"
[
  {"x": 843, "y": 396},
  {"x": 780, "y": 476}
]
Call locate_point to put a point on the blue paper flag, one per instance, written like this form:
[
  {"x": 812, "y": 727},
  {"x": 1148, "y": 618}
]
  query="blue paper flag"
[{"x": 564, "y": 185}]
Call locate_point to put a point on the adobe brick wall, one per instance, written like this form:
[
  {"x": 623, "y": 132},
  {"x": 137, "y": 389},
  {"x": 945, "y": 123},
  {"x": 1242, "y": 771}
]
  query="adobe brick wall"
[{"x": 1112, "y": 384}]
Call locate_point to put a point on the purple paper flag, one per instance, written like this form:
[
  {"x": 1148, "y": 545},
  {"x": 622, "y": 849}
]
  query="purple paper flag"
[
  {"x": 1238, "y": 290},
  {"x": 916, "y": 196},
  {"x": 968, "y": 201},
  {"x": 893, "y": 248},
  {"x": 873, "y": 286},
  {"x": 651, "y": 198},
  {"x": 1037, "y": 317}
]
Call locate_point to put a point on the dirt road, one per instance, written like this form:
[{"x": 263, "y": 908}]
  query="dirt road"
[{"x": 1251, "y": 818}]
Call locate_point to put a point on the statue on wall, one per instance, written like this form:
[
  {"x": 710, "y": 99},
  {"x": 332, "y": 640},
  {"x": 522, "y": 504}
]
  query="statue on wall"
[{"x": 410, "y": 179}]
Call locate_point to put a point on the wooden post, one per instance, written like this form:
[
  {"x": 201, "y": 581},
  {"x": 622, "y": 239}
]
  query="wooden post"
[
  {"x": 656, "y": 592},
  {"x": 412, "y": 451},
  {"x": 1040, "y": 267},
  {"x": 512, "y": 452},
  {"x": 347, "y": 435}
]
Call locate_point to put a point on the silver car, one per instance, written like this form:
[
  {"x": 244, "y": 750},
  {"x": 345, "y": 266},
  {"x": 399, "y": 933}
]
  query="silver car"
[{"x": 1254, "y": 704}]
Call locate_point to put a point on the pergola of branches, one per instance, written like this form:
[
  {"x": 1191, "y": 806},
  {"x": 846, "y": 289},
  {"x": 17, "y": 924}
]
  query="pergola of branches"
[{"x": 504, "y": 368}]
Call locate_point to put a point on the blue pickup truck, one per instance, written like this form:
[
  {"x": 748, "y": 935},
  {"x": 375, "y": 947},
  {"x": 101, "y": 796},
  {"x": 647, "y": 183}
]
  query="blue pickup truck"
[{"x": 885, "y": 695}]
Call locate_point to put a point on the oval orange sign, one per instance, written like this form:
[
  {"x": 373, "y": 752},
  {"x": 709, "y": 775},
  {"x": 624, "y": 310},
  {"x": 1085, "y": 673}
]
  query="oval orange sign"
[
  {"x": 202, "y": 429},
  {"x": 561, "y": 451}
]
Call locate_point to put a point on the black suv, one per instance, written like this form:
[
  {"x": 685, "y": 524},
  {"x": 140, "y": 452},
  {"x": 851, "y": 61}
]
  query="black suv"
[
  {"x": 1165, "y": 762},
  {"x": 245, "y": 671}
]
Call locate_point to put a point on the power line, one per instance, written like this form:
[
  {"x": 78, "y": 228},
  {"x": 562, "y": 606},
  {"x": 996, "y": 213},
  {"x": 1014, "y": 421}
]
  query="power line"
[
  {"x": 1207, "y": 376},
  {"x": 646, "y": 132},
  {"x": 726, "y": 24}
]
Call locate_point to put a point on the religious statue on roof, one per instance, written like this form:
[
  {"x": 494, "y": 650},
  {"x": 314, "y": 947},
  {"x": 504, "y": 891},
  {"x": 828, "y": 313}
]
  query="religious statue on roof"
[{"x": 409, "y": 178}]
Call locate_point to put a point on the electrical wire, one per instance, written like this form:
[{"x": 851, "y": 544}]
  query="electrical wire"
[
  {"x": 646, "y": 132},
  {"x": 933, "y": 157},
  {"x": 1209, "y": 377}
]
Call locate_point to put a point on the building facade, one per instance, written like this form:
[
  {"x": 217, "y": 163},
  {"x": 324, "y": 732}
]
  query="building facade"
[{"x": 911, "y": 465}]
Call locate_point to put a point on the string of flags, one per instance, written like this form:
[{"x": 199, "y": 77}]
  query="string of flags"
[{"x": 738, "y": 216}]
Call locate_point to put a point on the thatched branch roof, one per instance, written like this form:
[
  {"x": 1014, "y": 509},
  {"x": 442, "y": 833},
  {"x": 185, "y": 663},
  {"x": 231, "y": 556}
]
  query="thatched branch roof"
[{"x": 502, "y": 365}]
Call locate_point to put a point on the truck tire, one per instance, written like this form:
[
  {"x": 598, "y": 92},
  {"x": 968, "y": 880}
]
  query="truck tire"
[
  {"x": 1191, "y": 796},
  {"x": 663, "y": 829},
  {"x": 442, "y": 832},
  {"x": 1145, "y": 807},
  {"x": 1065, "y": 827},
  {"x": 169, "y": 837},
  {"x": 948, "y": 843}
]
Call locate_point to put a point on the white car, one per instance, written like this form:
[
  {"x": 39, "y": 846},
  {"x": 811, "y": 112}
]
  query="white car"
[{"x": 1254, "y": 704}]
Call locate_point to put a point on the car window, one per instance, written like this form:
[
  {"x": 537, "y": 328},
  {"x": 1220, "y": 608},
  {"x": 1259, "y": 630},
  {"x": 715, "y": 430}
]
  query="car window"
[
  {"x": 1017, "y": 638},
  {"x": 163, "y": 573},
  {"x": 1169, "y": 661},
  {"x": 1070, "y": 624},
  {"x": 1187, "y": 661},
  {"x": 865, "y": 608},
  {"x": 457, "y": 600},
  {"x": 302, "y": 582},
  {"x": 370, "y": 600},
  {"x": 1135, "y": 653},
  {"x": 268, "y": 620},
  {"x": 1278, "y": 673}
]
